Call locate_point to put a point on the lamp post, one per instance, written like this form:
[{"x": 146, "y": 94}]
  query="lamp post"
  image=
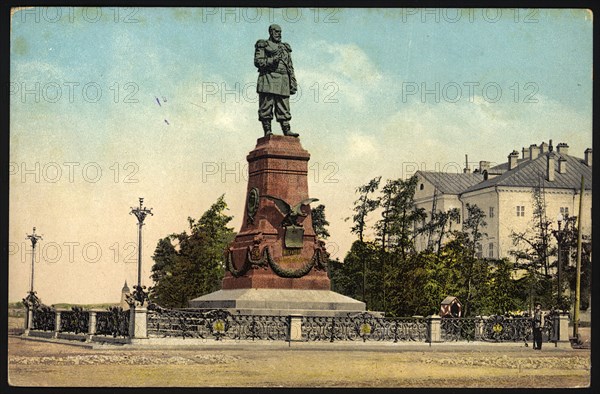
[
  {"x": 31, "y": 301},
  {"x": 559, "y": 238},
  {"x": 34, "y": 238},
  {"x": 578, "y": 269},
  {"x": 140, "y": 213}
]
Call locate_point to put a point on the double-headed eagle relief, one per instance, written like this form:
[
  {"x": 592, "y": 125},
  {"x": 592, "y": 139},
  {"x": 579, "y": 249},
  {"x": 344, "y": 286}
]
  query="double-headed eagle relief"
[
  {"x": 294, "y": 231},
  {"x": 291, "y": 214}
]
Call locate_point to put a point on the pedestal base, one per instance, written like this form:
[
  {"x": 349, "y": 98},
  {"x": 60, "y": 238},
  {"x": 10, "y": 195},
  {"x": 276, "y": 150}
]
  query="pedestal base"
[{"x": 280, "y": 302}]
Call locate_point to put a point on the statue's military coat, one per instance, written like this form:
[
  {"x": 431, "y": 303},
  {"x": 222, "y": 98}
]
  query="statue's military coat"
[{"x": 275, "y": 76}]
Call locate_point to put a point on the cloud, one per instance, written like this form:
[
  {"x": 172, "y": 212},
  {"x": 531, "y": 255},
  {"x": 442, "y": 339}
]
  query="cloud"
[
  {"x": 352, "y": 62},
  {"x": 352, "y": 77},
  {"x": 361, "y": 145},
  {"x": 443, "y": 132}
]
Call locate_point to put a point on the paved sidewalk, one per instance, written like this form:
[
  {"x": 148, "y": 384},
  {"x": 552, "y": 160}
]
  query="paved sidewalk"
[{"x": 358, "y": 345}]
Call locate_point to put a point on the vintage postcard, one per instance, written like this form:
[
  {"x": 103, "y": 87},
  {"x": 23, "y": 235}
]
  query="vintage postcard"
[{"x": 300, "y": 197}]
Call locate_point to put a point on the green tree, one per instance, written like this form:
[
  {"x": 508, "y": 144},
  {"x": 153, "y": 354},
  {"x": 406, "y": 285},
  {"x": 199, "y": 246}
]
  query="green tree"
[
  {"x": 404, "y": 217},
  {"x": 319, "y": 221},
  {"x": 195, "y": 265},
  {"x": 396, "y": 231},
  {"x": 356, "y": 276},
  {"x": 503, "y": 294},
  {"x": 532, "y": 251},
  {"x": 364, "y": 206},
  {"x": 475, "y": 269}
]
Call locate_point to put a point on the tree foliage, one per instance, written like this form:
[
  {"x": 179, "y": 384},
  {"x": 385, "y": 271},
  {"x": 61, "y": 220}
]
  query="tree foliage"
[
  {"x": 391, "y": 275},
  {"x": 188, "y": 265},
  {"x": 319, "y": 221}
]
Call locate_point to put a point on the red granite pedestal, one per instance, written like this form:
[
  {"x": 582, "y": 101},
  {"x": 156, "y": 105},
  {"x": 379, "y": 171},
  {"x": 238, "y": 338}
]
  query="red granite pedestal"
[
  {"x": 277, "y": 167},
  {"x": 261, "y": 264}
]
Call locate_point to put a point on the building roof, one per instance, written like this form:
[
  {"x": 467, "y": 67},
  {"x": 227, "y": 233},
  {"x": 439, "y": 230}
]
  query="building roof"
[
  {"x": 503, "y": 167},
  {"x": 532, "y": 173},
  {"x": 125, "y": 288},
  {"x": 450, "y": 183},
  {"x": 449, "y": 300}
]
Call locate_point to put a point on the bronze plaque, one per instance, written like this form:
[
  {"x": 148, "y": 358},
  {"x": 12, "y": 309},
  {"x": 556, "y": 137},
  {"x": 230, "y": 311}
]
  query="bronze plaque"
[{"x": 294, "y": 237}]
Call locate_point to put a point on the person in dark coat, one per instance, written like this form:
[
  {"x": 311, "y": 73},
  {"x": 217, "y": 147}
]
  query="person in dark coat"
[{"x": 537, "y": 327}]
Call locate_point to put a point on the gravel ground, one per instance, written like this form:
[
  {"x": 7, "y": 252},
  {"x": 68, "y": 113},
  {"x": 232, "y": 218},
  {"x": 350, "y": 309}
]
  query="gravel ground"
[{"x": 276, "y": 365}]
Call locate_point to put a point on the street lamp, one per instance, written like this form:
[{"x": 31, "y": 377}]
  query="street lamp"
[
  {"x": 140, "y": 213},
  {"x": 559, "y": 238},
  {"x": 31, "y": 301},
  {"x": 34, "y": 238}
]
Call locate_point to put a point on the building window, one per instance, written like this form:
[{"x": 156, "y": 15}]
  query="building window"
[
  {"x": 491, "y": 212},
  {"x": 564, "y": 211},
  {"x": 479, "y": 251},
  {"x": 520, "y": 210},
  {"x": 422, "y": 187},
  {"x": 491, "y": 250}
]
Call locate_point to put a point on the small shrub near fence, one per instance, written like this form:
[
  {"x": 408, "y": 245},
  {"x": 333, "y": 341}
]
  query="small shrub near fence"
[
  {"x": 44, "y": 318},
  {"x": 74, "y": 321},
  {"x": 113, "y": 322}
]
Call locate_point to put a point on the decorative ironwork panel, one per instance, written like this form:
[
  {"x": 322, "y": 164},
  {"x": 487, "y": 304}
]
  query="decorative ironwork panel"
[
  {"x": 260, "y": 327},
  {"x": 406, "y": 329},
  {"x": 363, "y": 326},
  {"x": 44, "y": 318},
  {"x": 76, "y": 320},
  {"x": 320, "y": 328},
  {"x": 216, "y": 324},
  {"x": 180, "y": 323},
  {"x": 460, "y": 328},
  {"x": 495, "y": 328},
  {"x": 506, "y": 329},
  {"x": 115, "y": 322}
]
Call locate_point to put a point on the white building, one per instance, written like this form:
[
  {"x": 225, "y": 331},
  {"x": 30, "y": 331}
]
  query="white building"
[{"x": 504, "y": 192}]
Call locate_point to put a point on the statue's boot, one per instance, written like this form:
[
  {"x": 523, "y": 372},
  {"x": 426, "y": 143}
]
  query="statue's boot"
[
  {"x": 266, "y": 124},
  {"x": 285, "y": 127}
]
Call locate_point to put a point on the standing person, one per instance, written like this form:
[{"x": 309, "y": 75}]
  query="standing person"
[
  {"x": 276, "y": 81},
  {"x": 537, "y": 327}
]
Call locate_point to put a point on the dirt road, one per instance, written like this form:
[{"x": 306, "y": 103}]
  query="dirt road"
[{"x": 276, "y": 365}]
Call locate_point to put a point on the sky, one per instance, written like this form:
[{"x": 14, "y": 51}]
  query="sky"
[{"x": 112, "y": 104}]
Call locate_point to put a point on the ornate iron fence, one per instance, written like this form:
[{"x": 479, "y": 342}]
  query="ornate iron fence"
[
  {"x": 363, "y": 326},
  {"x": 44, "y": 318},
  {"x": 76, "y": 320},
  {"x": 115, "y": 322},
  {"x": 217, "y": 324},
  {"x": 550, "y": 330},
  {"x": 497, "y": 328},
  {"x": 506, "y": 329},
  {"x": 459, "y": 329}
]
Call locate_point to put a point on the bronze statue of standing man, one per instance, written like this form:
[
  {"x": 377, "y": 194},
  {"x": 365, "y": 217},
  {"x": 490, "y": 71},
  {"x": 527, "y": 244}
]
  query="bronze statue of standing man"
[{"x": 276, "y": 81}]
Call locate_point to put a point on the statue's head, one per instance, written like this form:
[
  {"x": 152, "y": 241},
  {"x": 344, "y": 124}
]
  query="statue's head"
[{"x": 275, "y": 33}]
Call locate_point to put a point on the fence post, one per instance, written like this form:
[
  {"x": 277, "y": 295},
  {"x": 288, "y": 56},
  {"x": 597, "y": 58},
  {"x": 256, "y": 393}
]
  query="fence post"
[
  {"x": 435, "y": 329},
  {"x": 29, "y": 320},
  {"x": 56, "y": 323},
  {"x": 295, "y": 328},
  {"x": 91, "y": 326},
  {"x": 138, "y": 322},
  {"x": 563, "y": 327}
]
